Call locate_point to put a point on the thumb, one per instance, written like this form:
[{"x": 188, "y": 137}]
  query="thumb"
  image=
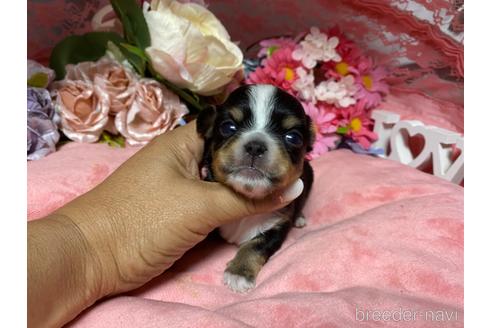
[{"x": 233, "y": 206}]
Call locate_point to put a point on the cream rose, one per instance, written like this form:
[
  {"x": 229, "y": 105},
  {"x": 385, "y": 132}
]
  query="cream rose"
[
  {"x": 190, "y": 47},
  {"x": 153, "y": 111},
  {"x": 83, "y": 112}
]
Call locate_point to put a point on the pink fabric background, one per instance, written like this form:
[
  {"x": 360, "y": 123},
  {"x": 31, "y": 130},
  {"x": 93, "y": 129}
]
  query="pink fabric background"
[
  {"x": 380, "y": 236},
  {"x": 68, "y": 173}
]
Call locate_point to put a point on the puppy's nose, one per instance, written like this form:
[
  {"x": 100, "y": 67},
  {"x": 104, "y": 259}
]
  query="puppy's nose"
[{"x": 255, "y": 148}]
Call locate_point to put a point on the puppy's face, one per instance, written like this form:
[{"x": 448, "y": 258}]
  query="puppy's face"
[{"x": 258, "y": 139}]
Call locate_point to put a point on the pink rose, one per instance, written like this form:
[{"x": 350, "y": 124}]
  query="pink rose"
[
  {"x": 119, "y": 84},
  {"x": 85, "y": 71},
  {"x": 153, "y": 111},
  {"x": 109, "y": 78},
  {"x": 83, "y": 112}
]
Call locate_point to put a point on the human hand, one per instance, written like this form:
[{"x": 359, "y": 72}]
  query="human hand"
[{"x": 154, "y": 208}]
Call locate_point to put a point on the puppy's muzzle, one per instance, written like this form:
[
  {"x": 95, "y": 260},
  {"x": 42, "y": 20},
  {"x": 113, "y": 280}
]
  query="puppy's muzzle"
[{"x": 255, "y": 148}]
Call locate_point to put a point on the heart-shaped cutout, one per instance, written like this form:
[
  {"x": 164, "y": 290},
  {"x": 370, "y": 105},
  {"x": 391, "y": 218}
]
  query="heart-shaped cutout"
[{"x": 408, "y": 145}]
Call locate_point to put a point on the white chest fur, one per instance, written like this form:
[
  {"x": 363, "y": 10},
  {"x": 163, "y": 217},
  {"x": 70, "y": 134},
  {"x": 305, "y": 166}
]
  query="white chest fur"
[{"x": 249, "y": 227}]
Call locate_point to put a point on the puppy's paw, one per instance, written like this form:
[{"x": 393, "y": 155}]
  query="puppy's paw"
[
  {"x": 300, "y": 222},
  {"x": 237, "y": 282}
]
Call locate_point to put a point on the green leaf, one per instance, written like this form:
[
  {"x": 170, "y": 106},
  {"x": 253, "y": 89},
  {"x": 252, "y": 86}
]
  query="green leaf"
[
  {"x": 271, "y": 50},
  {"x": 112, "y": 140},
  {"x": 138, "y": 63},
  {"x": 78, "y": 48},
  {"x": 135, "y": 50},
  {"x": 342, "y": 130},
  {"x": 133, "y": 20},
  {"x": 38, "y": 80},
  {"x": 120, "y": 53}
]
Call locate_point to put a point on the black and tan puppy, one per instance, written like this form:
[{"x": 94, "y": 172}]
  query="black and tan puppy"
[{"x": 255, "y": 143}]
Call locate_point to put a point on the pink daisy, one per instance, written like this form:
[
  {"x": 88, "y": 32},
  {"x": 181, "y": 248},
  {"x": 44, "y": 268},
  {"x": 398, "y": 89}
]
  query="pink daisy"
[
  {"x": 348, "y": 51},
  {"x": 371, "y": 83},
  {"x": 354, "y": 122},
  {"x": 346, "y": 48},
  {"x": 279, "y": 69},
  {"x": 259, "y": 76},
  {"x": 326, "y": 137}
]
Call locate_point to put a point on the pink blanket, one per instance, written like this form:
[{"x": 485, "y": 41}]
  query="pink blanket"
[{"x": 383, "y": 247}]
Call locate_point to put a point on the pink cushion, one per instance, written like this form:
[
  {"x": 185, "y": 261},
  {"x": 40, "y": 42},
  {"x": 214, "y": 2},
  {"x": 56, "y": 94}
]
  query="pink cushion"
[
  {"x": 71, "y": 171},
  {"x": 380, "y": 236}
]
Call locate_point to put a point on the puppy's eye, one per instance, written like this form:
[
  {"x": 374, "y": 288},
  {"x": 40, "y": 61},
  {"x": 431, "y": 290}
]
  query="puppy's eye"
[
  {"x": 294, "y": 138},
  {"x": 227, "y": 128}
]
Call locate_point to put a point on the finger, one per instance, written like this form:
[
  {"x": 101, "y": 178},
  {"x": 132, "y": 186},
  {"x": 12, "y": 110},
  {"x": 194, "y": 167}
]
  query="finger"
[
  {"x": 184, "y": 139},
  {"x": 189, "y": 136},
  {"x": 292, "y": 192}
]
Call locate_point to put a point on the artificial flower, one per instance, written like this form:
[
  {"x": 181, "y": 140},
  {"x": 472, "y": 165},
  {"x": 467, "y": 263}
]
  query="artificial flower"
[
  {"x": 280, "y": 68},
  {"x": 154, "y": 111},
  {"x": 109, "y": 78},
  {"x": 42, "y": 132},
  {"x": 86, "y": 71},
  {"x": 83, "y": 111},
  {"x": 371, "y": 83},
  {"x": 336, "y": 84},
  {"x": 304, "y": 85},
  {"x": 339, "y": 92},
  {"x": 326, "y": 137},
  {"x": 269, "y": 46},
  {"x": 38, "y": 75},
  {"x": 316, "y": 47},
  {"x": 259, "y": 76},
  {"x": 190, "y": 47},
  {"x": 104, "y": 19},
  {"x": 110, "y": 126},
  {"x": 349, "y": 56},
  {"x": 346, "y": 48},
  {"x": 355, "y": 123},
  {"x": 119, "y": 84}
]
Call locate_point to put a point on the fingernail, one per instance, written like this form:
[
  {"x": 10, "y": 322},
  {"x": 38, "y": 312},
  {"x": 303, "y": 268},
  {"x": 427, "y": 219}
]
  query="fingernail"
[{"x": 293, "y": 191}]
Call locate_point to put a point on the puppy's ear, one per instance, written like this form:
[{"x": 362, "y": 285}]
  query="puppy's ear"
[
  {"x": 205, "y": 122},
  {"x": 311, "y": 133}
]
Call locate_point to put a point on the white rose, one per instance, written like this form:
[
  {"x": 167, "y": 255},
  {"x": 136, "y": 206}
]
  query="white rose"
[{"x": 190, "y": 47}]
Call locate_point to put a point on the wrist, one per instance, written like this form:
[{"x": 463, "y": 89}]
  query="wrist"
[
  {"x": 94, "y": 237},
  {"x": 86, "y": 259},
  {"x": 59, "y": 261}
]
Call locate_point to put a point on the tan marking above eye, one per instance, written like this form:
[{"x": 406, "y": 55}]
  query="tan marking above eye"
[
  {"x": 237, "y": 114},
  {"x": 290, "y": 121}
]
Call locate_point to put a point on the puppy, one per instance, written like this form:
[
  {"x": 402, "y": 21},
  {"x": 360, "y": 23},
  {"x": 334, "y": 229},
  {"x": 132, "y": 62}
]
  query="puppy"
[{"x": 255, "y": 143}]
